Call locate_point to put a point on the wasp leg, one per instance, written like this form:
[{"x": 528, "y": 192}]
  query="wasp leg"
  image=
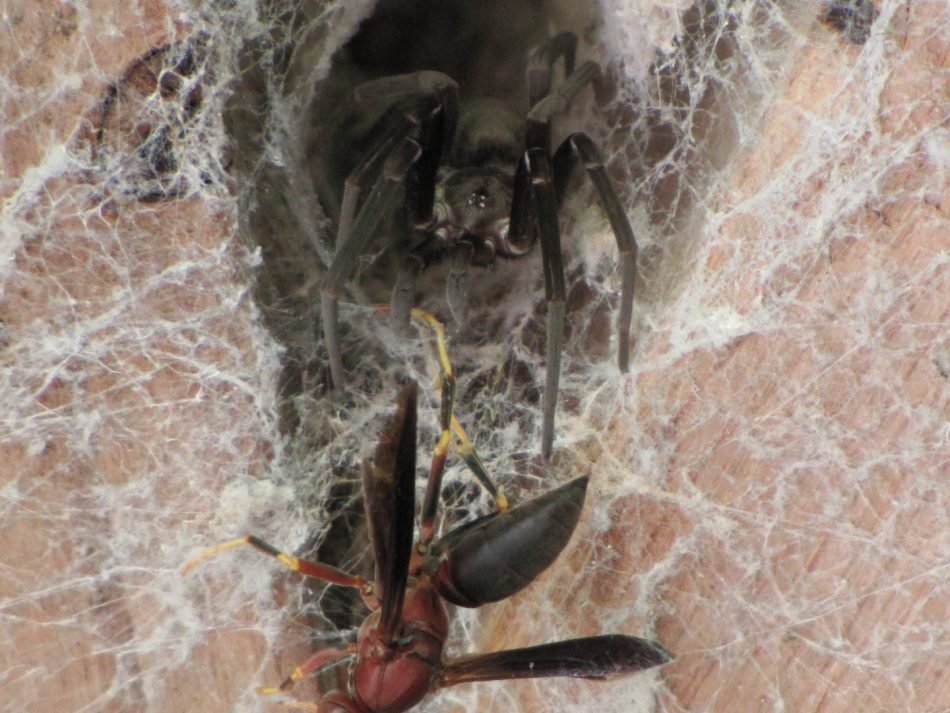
[
  {"x": 471, "y": 458},
  {"x": 448, "y": 424},
  {"x": 307, "y": 568},
  {"x": 581, "y": 146},
  {"x": 430, "y": 503},
  {"x": 321, "y": 659}
]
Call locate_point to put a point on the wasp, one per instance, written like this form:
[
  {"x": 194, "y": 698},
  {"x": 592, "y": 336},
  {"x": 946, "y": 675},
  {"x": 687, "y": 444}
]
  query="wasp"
[{"x": 397, "y": 657}]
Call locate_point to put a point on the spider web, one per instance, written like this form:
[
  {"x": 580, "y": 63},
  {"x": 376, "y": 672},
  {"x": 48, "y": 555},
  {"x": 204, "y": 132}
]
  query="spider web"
[{"x": 769, "y": 490}]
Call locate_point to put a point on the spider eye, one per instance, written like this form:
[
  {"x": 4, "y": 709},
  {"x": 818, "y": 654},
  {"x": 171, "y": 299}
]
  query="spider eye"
[{"x": 478, "y": 199}]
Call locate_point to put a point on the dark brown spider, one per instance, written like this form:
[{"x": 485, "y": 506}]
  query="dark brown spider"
[{"x": 477, "y": 183}]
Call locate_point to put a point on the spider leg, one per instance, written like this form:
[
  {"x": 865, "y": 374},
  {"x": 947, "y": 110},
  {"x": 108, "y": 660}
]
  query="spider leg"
[
  {"x": 378, "y": 203},
  {"x": 542, "y": 61},
  {"x": 541, "y": 113},
  {"x": 393, "y": 126},
  {"x": 581, "y": 146},
  {"x": 534, "y": 197},
  {"x": 537, "y": 192},
  {"x": 436, "y": 129},
  {"x": 534, "y": 203},
  {"x": 416, "y": 132},
  {"x": 415, "y": 84}
]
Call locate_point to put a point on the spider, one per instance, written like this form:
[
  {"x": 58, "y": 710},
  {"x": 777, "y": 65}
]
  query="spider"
[{"x": 477, "y": 183}]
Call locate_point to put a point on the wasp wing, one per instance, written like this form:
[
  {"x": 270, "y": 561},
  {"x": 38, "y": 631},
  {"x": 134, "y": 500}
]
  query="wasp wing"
[
  {"x": 514, "y": 546},
  {"x": 595, "y": 657},
  {"x": 389, "y": 499}
]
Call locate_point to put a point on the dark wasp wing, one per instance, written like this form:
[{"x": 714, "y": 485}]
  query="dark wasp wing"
[
  {"x": 595, "y": 657},
  {"x": 389, "y": 500},
  {"x": 513, "y": 546}
]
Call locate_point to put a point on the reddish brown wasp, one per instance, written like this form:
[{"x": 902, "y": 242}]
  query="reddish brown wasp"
[{"x": 397, "y": 658}]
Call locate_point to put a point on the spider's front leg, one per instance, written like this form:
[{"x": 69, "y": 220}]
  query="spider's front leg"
[
  {"x": 415, "y": 133},
  {"x": 538, "y": 192},
  {"x": 580, "y": 146},
  {"x": 534, "y": 201},
  {"x": 379, "y": 202},
  {"x": 534, "y": 197}
]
